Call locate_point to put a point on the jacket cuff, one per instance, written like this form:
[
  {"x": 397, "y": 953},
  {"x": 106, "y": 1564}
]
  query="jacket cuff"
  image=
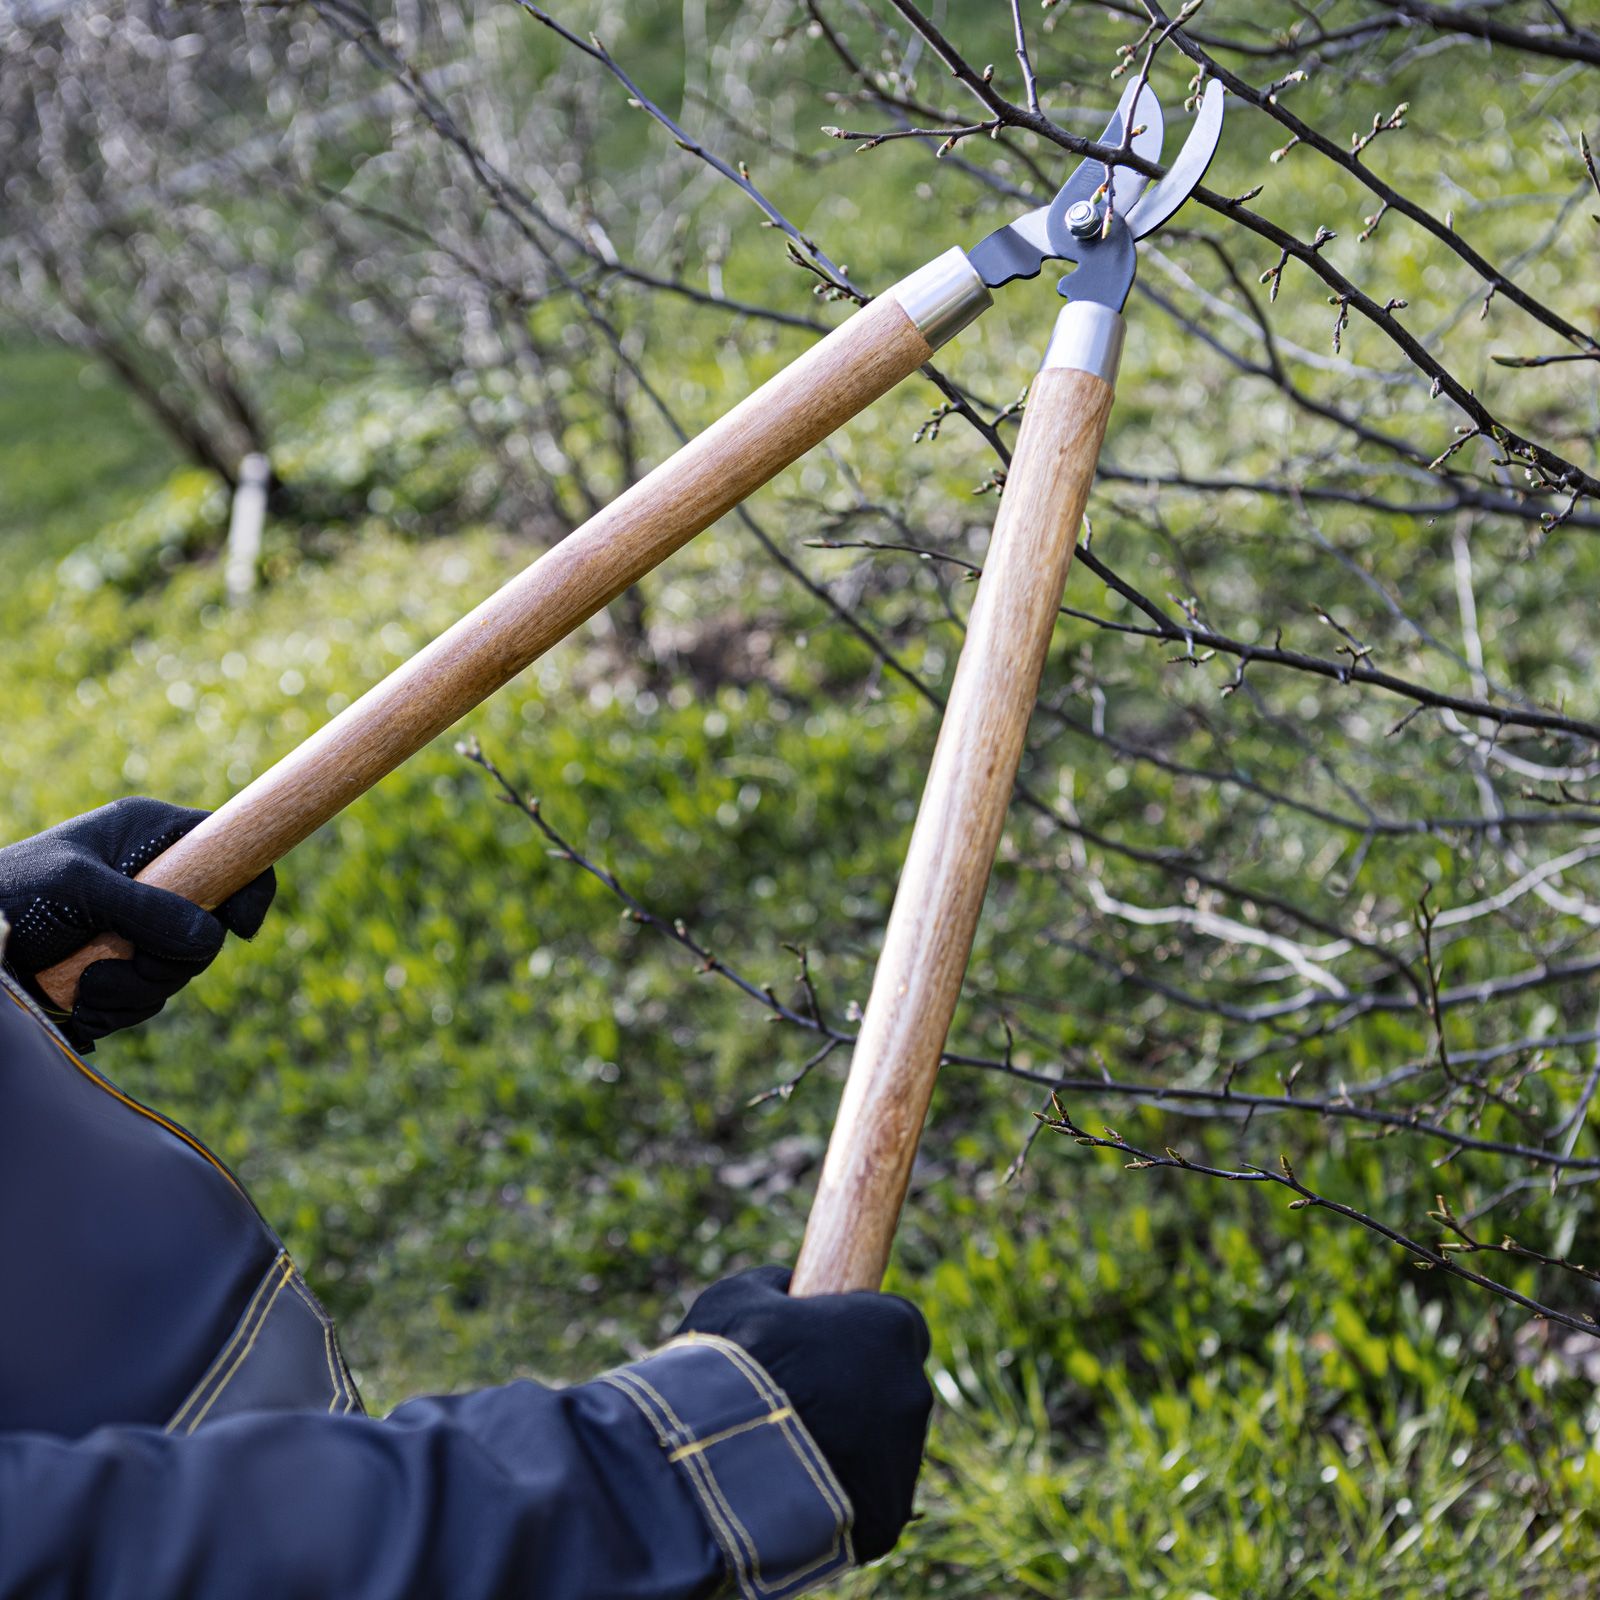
[{"x": 768, "y": 1494}]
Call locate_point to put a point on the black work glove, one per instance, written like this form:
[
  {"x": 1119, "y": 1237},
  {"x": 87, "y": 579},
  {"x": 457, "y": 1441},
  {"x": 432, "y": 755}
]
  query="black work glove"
[
  {"x": 851, "y": 1365},
  {"x": 62, "y": 887}
]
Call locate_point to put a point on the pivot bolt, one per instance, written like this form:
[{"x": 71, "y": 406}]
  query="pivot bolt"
[{"x": 1084, "y": 218}]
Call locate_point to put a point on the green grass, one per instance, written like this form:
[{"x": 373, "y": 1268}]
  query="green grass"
[{"x": 74, "y": 452}]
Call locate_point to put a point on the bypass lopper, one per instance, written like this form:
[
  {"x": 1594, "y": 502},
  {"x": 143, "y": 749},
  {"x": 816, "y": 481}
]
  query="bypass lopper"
[{"x": 1093, "y": 223}]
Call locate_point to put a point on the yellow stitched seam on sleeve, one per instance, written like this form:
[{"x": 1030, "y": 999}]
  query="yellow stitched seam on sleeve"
[
  {"x": 246, "y": 1323},
  {"x": 326, "y": 1324},
  {"x": 698, "y": 1469},
  {"x": 647, "y": 1400},
  {"x": 794, "y": 1435},
  {"x": 827, "y": 1484},
  {"x": 133, "y": 1105},
  {"x": 658, "y": 1427},
  {"x": 228, "y": 1376},
  {"x": 730, "y": 1433},
  {"x": 782, "y": 1415},
  {"x": 333, "y": 1372},
  {"x": 636, "y": 1389},
  {"x": 841, "y": 1537},
  {"x": 784, "y": 1418},
  {"x": 701, "y": 1473}
]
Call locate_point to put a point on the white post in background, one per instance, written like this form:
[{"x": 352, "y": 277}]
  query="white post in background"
[{"x": 244, "y": 527}]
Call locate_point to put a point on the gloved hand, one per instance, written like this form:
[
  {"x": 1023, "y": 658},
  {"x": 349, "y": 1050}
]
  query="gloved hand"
[
  {"x": 851, "y": 1364},
  {"x": 62, "y": 887}
]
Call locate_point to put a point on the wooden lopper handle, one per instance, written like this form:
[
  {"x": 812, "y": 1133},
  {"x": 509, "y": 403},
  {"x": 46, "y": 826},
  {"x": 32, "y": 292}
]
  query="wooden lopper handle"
[
  {"x": 860, "y": 360},
  {"x": 929, "y": 937}
]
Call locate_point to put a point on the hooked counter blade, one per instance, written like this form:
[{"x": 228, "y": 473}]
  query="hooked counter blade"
[
  {"x": 1160, "y": 202},
  {"x": 1021, "y": 248}
]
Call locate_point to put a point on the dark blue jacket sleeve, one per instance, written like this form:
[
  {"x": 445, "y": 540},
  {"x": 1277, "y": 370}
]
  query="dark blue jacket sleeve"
[{"x": 682, "y": 1475}]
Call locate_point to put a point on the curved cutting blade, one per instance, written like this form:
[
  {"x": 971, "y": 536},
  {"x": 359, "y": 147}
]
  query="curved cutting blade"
[
  {"x": 1140, "y": 110},
  {"x": 1021, "y": 248},
  {"x": 1160, "y": 202}
]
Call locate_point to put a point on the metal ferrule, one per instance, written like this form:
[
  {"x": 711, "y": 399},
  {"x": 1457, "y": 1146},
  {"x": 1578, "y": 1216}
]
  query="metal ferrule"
[
  {"x": 943, "y": 297},
  {"x": 1088, "y": 338}
]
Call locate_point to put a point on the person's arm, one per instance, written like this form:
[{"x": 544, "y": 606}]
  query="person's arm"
[
  {"x": 519, "y": 1491},
  {"x": 62, "y": 887},
  {"x": 687, "y": 1474}
]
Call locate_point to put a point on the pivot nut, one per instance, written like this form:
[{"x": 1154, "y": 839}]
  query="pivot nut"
[{"x": 1084, "y": 218}]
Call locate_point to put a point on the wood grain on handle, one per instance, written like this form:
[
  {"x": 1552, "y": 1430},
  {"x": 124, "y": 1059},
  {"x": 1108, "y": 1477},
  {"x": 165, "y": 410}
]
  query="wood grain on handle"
[
  {"x": 929, "y": 938},
  {"x": 859, "y": 361}
]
